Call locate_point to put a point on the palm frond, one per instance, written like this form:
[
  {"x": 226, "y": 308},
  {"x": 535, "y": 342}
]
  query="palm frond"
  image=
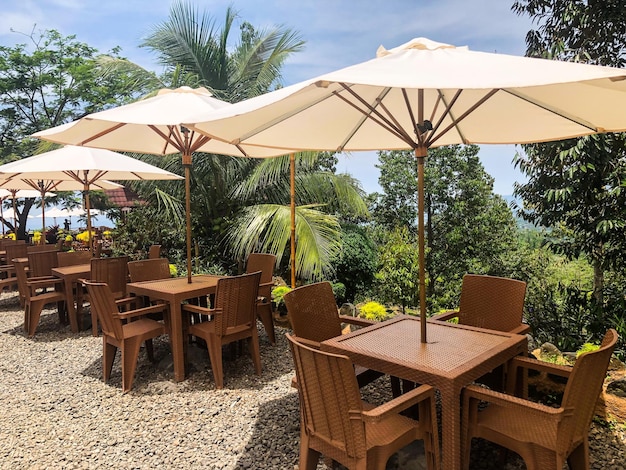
[{"x": 267, "y": 228}]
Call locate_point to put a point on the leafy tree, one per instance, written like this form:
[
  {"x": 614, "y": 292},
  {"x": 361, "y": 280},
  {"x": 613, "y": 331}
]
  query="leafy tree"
[
  {"x": 47, "y": 81},
  {"x": 397, "y": 205},
  {"x": 397, "y": 275},
  {"x": 577, "y": 183},
  {"x": 356, "y": 263},
  {"x": 246, "y": 200},
  {"x": 469, "y": 229}
]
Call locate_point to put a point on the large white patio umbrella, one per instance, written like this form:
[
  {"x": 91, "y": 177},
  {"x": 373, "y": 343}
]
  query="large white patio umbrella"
[
  {"x": 425, "y": 94},
  {"x": 81, "y": 169},
  {"x": 153, "y": 125}
]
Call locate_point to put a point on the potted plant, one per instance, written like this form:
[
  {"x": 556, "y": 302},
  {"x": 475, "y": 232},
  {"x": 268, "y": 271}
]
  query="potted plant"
[{"x": 277, "y": 299}]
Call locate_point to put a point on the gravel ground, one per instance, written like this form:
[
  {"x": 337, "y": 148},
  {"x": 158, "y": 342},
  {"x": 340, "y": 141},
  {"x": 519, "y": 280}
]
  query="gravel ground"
[{"x": 57, "y": 412}]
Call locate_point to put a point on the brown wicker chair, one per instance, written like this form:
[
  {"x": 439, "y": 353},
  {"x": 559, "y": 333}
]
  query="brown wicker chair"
[
  {"x": 13, "y": 250},
  {"x": 232, "y": 319},
  {"x": 125, "y": 336},
  {"x": 41, "y": 288},
  {"x": 545, "y": 437},
  {"x": 314, "y": 317},
  {"x": 335, "y": 422},
  {"x": 114, "y": 272},
  {"x": 265, "y": 263},
  {"x": 495, "y": 303},
  {"x": 154, "y": 252},
  {"x": 149, "y": 269},
  {"x": 491, "y": 302},
  {"x": 73, "y": 258}
]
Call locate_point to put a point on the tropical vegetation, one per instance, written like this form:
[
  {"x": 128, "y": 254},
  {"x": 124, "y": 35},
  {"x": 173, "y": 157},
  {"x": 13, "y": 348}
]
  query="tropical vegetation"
[{"x": 563, "y": 235}]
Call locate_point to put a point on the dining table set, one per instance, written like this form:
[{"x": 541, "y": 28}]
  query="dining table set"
[{"x": 454, "y": 356}]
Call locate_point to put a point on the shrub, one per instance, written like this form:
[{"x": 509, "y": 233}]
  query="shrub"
[
  {"x": 373, "y": 311},
  {"x": 587, "y": 347},
  {"x": 173, "y": 270},
  {"x": 339, "y": 290},
  {"x": 278, "y": 293}
]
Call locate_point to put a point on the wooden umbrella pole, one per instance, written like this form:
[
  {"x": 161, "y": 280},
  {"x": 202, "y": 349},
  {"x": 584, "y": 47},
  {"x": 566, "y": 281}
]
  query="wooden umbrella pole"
[
  {"x": 187, "y": 166},
  {"x": 88, "y": 209},
  {"x": 420, "y": 155},
  {"x": 42, "y": 240},
  {"x": 292, "y": 183}
]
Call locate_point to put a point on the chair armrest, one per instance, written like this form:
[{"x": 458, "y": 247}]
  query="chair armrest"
[
  {"x": 201, "y": 310},
  {"x": 445, "y": 316},
  {"x": 142, "y": 311},
  {"x": 355, "y": 320},
  {"x": 308, "y": 342},
  {"x": 126, "y": 300},
  {"x": 400, "y": 403},
  {"x": 508, "y": 401},
  {"x": 43, "y": 281},
  {"x": 266, "y": 284},
  {"x": 521, "y": 330},
  {"x": 541, "y": 366}
]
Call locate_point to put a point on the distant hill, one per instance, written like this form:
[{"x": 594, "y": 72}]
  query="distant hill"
[{"x": 522, "y": 224}]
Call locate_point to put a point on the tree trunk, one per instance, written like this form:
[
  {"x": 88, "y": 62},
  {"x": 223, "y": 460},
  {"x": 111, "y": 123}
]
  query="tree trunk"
[{"x": 598, "y": 274}]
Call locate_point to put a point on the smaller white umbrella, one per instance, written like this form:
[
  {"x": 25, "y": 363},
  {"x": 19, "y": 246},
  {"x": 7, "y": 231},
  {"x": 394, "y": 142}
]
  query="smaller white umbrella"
[
  {"x": 90, "y": 168},
  {"x": 14, "y": 194}
]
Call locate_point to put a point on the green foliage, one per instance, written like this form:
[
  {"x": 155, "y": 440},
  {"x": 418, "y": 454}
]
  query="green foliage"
[
  {"x": 339, "y": 291},
  {"x": 587, "y": 347},
  {"x": 356, "y": 263},
  {"x": 278, "y": 293},
  {"x": 373, "y": 311},
  {"x": 397, "y": 275}
]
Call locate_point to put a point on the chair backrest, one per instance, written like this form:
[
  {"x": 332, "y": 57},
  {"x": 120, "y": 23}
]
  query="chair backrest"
[
  {"x": 103, "y": 302},
  {"x": 265, "y": 263},
  {"x": 496, "y": 303},
  {"x": 154, "y": 252},
  {"x": 20, "y": 274},
  {"x": 312, "y": 311},
  {"x": 582, "y": 390},
  {"x": 40, "y": 263},
  {"x": 113, "y": 272},
  {"x": 149, "y": 269},
  {"x": 72, "y": 258},
  {"x": 329, "y": 397},
  {"x": 236, "y": 297},
  {"x": 17, "y": 250},
  {"x": 36, "y": 248}
]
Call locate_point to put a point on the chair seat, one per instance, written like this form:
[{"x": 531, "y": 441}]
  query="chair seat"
[{"x": 143, "y": 326}]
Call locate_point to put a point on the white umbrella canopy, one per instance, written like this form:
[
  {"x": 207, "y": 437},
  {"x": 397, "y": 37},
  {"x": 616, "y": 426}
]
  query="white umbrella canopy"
[
  {"x": 425, "y": 94},
  {"x": 153, "y": 125},
  {"x": 79, "y": 168}
]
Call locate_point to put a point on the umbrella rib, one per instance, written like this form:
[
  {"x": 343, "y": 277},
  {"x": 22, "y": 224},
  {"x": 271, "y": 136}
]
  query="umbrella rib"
[
  {"x": 455, "y": 121},
  {"x": 266, "y": 125},
  {"x": 100, "y": 134},
  {"x": 173, "y": 138},
  {"x": 588, "y": 125},
  {"x": 386, "y": 124}
]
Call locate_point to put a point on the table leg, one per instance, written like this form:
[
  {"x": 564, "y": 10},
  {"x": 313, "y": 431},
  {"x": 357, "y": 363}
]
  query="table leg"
[
  {"x": 177, "y": 341},
  {"x": 71, "y": 311},
  {"x": 451, "y": 430}
]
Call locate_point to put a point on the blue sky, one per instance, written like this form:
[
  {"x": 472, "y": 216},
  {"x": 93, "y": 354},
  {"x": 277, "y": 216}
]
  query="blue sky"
[{"x": 338, "y": 33}]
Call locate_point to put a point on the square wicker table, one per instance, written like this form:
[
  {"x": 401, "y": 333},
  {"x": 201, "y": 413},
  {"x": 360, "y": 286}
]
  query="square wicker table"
[
  {"x": 70, "y": 276},
  {"x": 174, "y": 291},
  {"x": 453, "y": 357}
]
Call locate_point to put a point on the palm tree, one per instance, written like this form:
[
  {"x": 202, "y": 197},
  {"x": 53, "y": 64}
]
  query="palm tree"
[{"x": 195, "y": 52}]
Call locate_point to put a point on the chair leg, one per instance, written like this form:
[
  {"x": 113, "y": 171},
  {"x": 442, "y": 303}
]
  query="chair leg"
[
  {"x": 34, "y": 314},
  {"x": 150, "y": 350},
  {"x": 308, "y": 457},
  {"x": 255, "y": 351},
  {"x": 130, "y": 355},
  {"x": 214, "y": 346},
  {"x": 108, "y": 356},
  {"x": 264, "y": 312},
  {"x": 579, "y": 458},
  {"x": 94, "y": 322}
]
